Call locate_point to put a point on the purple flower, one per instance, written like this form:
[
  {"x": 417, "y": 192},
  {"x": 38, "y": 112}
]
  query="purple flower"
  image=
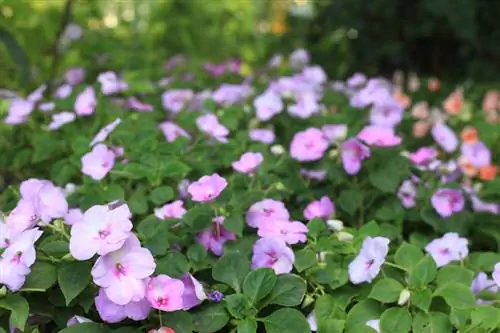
[
  {"x": 356, "y": 80},
  {"x": 77, "y": 320},
  {"x": 496, "y": 274},
  {"x": 407, "y": 193},
  {"x": 309, "y": 145},
  {"x": 22, "y": 217},
  {"x": 423, "y": 156},
  {"x": 207, "y": 188},
  {"x": 262, "y": 135},
  {"x": 481, "y": 283},
  {"x": 110, "y": 83},
  {"x": 63, "y": 91},
  {"x": 19, "y": 111},
  {"x": 229, "y": 94},
  {"x": 98, "y": 162},
  {"x": 352, "y": 153},
  {"x": 266, "y": 211},
  {"x": 306, "y": 105},
  {"x": 46, "y": 107},
  {"x": 289, "y": 232},
  {"x": 248, "y": 162},
  {"x": 215, "y": 296},
  {"x": 267, "y": 105},
  {"x": 113, "y": 313},
  {"x": 323, "y": 209},
  {"x": 335, "y": 132},
  {"x": 366, "y": 266},
  {"x": 105, "y": 131},
  {"x": 60, "y": 119},
  {"x": 386, "y": 112},
  {"x": 298, "y": 58},
  {"x": 193, "y": 292},
  {"x": 476, "y": 153},
  {"x": 74, "y": 76},
  {"x": 314, "y": 75},
  {"x": 379, "y": 136},
  {"x": 314, "y": 174},
  {"x": 103, "y": 230},
  {"x": 448, "y": 248},
  {"x": 214, "y": 238},
  {"x": 86, "y": 102},
  {"x": 444, "y": 137},
  {"x": 135, "y": 104},
  {"x": 74, "y": 216},
  {"x": 172, "y": 131},
  {"x": 174, "y": 210},
  {"x": 447, "y": 201},
  {"x": 209, "y": 124},
  {"x": 176, "y": 99},
  {"x": 273, "y": 253},
  {"x": 165, "y": 293}
]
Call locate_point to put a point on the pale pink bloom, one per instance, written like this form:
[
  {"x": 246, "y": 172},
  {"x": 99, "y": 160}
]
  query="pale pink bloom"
[
  {"x": 46, "y": 107},
  {"x": 74, "y": 76},
  {"x": 420, "y": 110},
  {"x": 111, "y": 83},
  {"x": 366, "y": 266},
  {"x": 174, "y": 210},
  {"x": 214, "y": 238},
  {"x": 306, "y": 105},
  {"x": 407, "y": 193},
  {"x": 19, "y": 111},
  {"x": 77, "y": 320},
  {"x": 262, "y": 135},
  {"x": 104, "y": 229},
  {"x": 37, "y": 94},
  {"x": 193, "y": 292},
  {"x": 314, "y": 75},
  {"x": 209, "y": 124},
  {"x": 229, "y": 94},
  {"x": 273, "y": 253},
  {"x": 379, "y": 136},
  {"x": 289, "y": 232},
  {"x": 450, "y": 247},
  {"x": 135, "y": 104},
  {"x": 113, "y": 313},
  {"x": 445, "y": 137},
  {"x": 267, "y": 105},
  {"x": 496, "y": 274},
  {"x": 22, "y": 217},
  {"x": 309, "y": 145},
  {"x": 63, "y": 91},
  {"x": 447, "y": 201},
  {"x": 323, "y": 209},
  {"x": 482, "y": 283},
  {"x": 60, "y": 119},
  {"x": 386, "y": 112},
  {"x": 356, "y": 80},
  {"x": 423, "y": 155},
  {"x": 298, "y": 58},
  {"x": 266, "y": 211},
  {"x": 207, "y": 188},
  {"x": 314, "y": 174},
  {"x": 86, "y": 102},
  {"x": 335, "y": 132},
  {"x": 248, "y": 162},
  {"x": 165, "y": 293},
  {"x": 74, "y": 216},
  {"x": 172, "y": 131},
  {"x": 176, "y": 99},
  {"x": 352, "y": 154},
  {"x": 182, "y": 187},
  {"x": 105, "y": 131},
  {"x": 98, "y": 162}
]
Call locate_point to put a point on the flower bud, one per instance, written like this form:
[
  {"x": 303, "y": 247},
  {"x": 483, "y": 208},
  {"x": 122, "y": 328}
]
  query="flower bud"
[
  {"x": 3, "y": 291},
  {"x": 344, "y": 236},
  {"x": 335, "y": 225},
  {"x": 307, "y": 301},
  {"x": 321, "y": 257},
  {"x": 277, "y": 149},
  {"x": 333, "y": 153},
  {"x": 404, "y": 296}
]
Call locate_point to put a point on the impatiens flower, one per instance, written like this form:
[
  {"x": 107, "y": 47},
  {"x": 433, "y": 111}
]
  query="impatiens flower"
[
  {"x": 193, "y": 292},
  {"x": 165, "y": 293},
  {"x": 450, "y": 247},
  {"x": 122, "y": 273},
  {"x": 266, "y": 211},
  {"x": 314, "y": 75},
  {"x": 22, "y": 217},
  {"x": 86, "y": 102},
  {"x": 19, "y": 111},
  {"x": 135, "y": 104},
  {"x": 477, "y": 153},
  {"x": 113, "y": 313},
  {"x": 110, "y": 83},
  {"x": 248, "y": 162},
  {"x": 481, "y": 283},
  {"x": 267, "y": 105},
  {"x": 352, "y": 153},
  {"x": 60, "y": 119},
  {"x": 289, "y": 232},
  {"x": 98, "y": 162},
  {"x": 229, "y": 94},
  {"x": 174, "y": 210},
  {"x": 175, "y": 100},
  {"x": 447, "y": 201},
  {"x": 298, "y": 58},
  {"x": 105, "y": 131},
  {"x": 386, "y": 112},
  {"x": 496, "y": 274},
  {"x": 209, "y": 124},
  {"x": 273, "y": 253},
  {"x": 207, "y": 188},
  {"x": 215, "y": 296},
  {"x": 104, "y": 229},
  {"x": 77, "y": 320},
  {"x": 63, "y": 91},
  {"x": 454, "y": 102},
  {"x": 262, "y": 135},
  {"x": 311, "y": 319},
  {"x": 323, "y": 209},
  {"x": 74, "y": 76},
  {"x": 335, "y": 132},
  {"x": 309, "y": 145},
  {"x": 375, "y": 324},
  {"x": 379, "y": 136},
  {"x": 214, "y": 238},
  {"x": 172, "y": 131},
  {"x": 366, "y": 266},
  {"x": 488, "y": 172},
  {"x": 182, "y": 187},
  {"x": 314, "y": 174},
  {"x": 306, "y": 105},
  {"x": 50, "y": 202},
  {"x": 46, "y": 107},
  {"x": 74, "y": 216},
  {"x": 423, "y": 156},
  {"x": 407, "y": 193},
  {"x": 275, "y": 61},
  {"x": 444, "y": 137},
  {"x": 356, "y": 80}
]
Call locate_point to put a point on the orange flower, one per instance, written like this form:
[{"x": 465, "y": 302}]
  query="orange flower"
[
  {"x": 469, "y": 135},
  {"x": 420, "y": 110},
  {"x": 402, "y": 99},
  {"x": 488, "y": 172},
  {"x": 467, "y": 168},
  {"x": 454, "y": 102},
  {"x": 433, "y": 85}
]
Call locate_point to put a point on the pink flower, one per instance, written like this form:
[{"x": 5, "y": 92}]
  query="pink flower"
[
  {"x": 448, "y": 248},
  {"x": 113, "y": 313},
  {"x": 314, "y": 174},
  {"x": 60, "y": 119},
  {"x": 306, "y": 105},
  {"x": 86, "y": 102},
  {"x": 98, "y": 162},
  {"x": 172, "y": 131},
  {"x": 63, "y": 91},
  {"x": 298, "y": 58},
  {"x": 207, "y": 188},
  {"x": 447, "y": 201},
  {"x": 335, "y": 132},
  {"x": 289, "y": 232},
  {"x": 356, "y": 80},
  {"x": 209, "y": 124},
  {"x": 407, "y": 193},
  {"x": 267, "y": 105},
  {"x": 174, "y": 210},
  {"x": 104, "y": 229},
  {"x": 74, "y": 76},
  {"x": 386, "y": 112},
  {"x": 444, "y": 137},
  {"x": 73, "y": 216},
  {"x": 379, "y": 136},
  {"x": 214, "y": 238},
  {"x": 19, "y": 111},
  {"x": 477, "y": 153},
  {"x": 193, "y": 292},
  {"x": 22, "y": 217},
  {"x": 496, "y": 274},
  {"x": 77, "y": 320},
  {"x": 46, "y": 107},
  {"x": 122, "y": 273},
  {"x": 314, "y": 75},
  {"x": 135, "y": 104},
  {"x": 265, "y": 211},
  {"x": 366, "y": 266},
  {"x": 352, "y": 153},
  {"x": 309, "y": 145},
  {"x": 262, "y": 135},
  {"x": 110, "y": 83},
  {"x": 273, "y": 253},
  {"x": 323, "y": 209},
  {"x": 165, "y": 293},
  {"x": 182, "y": 187},
  {"x": 423, "y": 156},
  {"x": 229, "y": 94},
  {"x": 176, "y": 99},
  {"x": 248, "y": 162},
  {"x": 482, "y": 283},
  {"x": 105, "y": 131}
]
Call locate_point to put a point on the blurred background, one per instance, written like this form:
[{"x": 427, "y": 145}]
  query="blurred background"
[{"x": 450, "y": 39}]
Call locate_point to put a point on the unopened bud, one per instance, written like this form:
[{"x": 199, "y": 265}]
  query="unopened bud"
[
  {"x": 277, "y": 149},
  {"x": 335, "y": 225},
  {"x": 333, "y": 153},
  {"x": 3, "y": 291},
  {"x": 308, "y": 300},
  {"x": 405, "y": 153},
  {"x": 344, "y": 236},
  {"x": 321, "y": 257},
  {"x": 404, "y": 296}
]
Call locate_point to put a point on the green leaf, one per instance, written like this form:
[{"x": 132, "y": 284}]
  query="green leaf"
[
  {"x": 331, "y": 326},
  {"x": 423, "y": 273},
  {"x": 434, "y": 322},
  {"x": 350, "y": 201},
  {"x": 286, "y": 320},
  {"x": 289, "y": 290},
  {"x": 407, "y": 255},
  {"x": 174, "y": 169},
  {"x": 196, "y": 253},
  {"x": 179, "y": 321},
  {"x": 137, "y": 202},
  {"x": 328, "y": 307},
  {"x": 451, "y": 273},
  {"x": 173, "y": 264},
  {"x": 360, "y": 314},
  {"x": 457, "y": 295},
  {"x": 238, "y": 305},
  {"x": 113, "y": 192},
  {"x": 19, "y": 309},
  {"x": 258, "y": 284},
  {"x": 17, "y": 53},
  {"x": 43, "y": 276},
  {"x": 210, "y": 319},
  {"x": 390, "y": 210},
  {"x": 231, "y": 269},
  {"x": 422, "y": 299},
  {"x": 316, "y": 226},
  {"x": 483, "y": 261},
  {"x": 161, "y": 195},
  {"x": 395, "y": 320},
  {"x": 304, "y": 259},
  {"x": 487, "y": 317},
  {"x": 386, "y": 291},
  {"x": 73, "y": 278},
  {"x": 55, "y": 248},
  {"x": 247, "y": 325},
  {"x": 87, "y": 328},
  {"x": 199, "y": 218},
  {"x": 234, "y": 223}
]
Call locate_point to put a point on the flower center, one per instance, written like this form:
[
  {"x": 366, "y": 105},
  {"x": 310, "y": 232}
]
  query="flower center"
[
  {"x": 103, "y": 234},
  {"x": 162, "y": 301},
  {"x": 370, "y": 263}
]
